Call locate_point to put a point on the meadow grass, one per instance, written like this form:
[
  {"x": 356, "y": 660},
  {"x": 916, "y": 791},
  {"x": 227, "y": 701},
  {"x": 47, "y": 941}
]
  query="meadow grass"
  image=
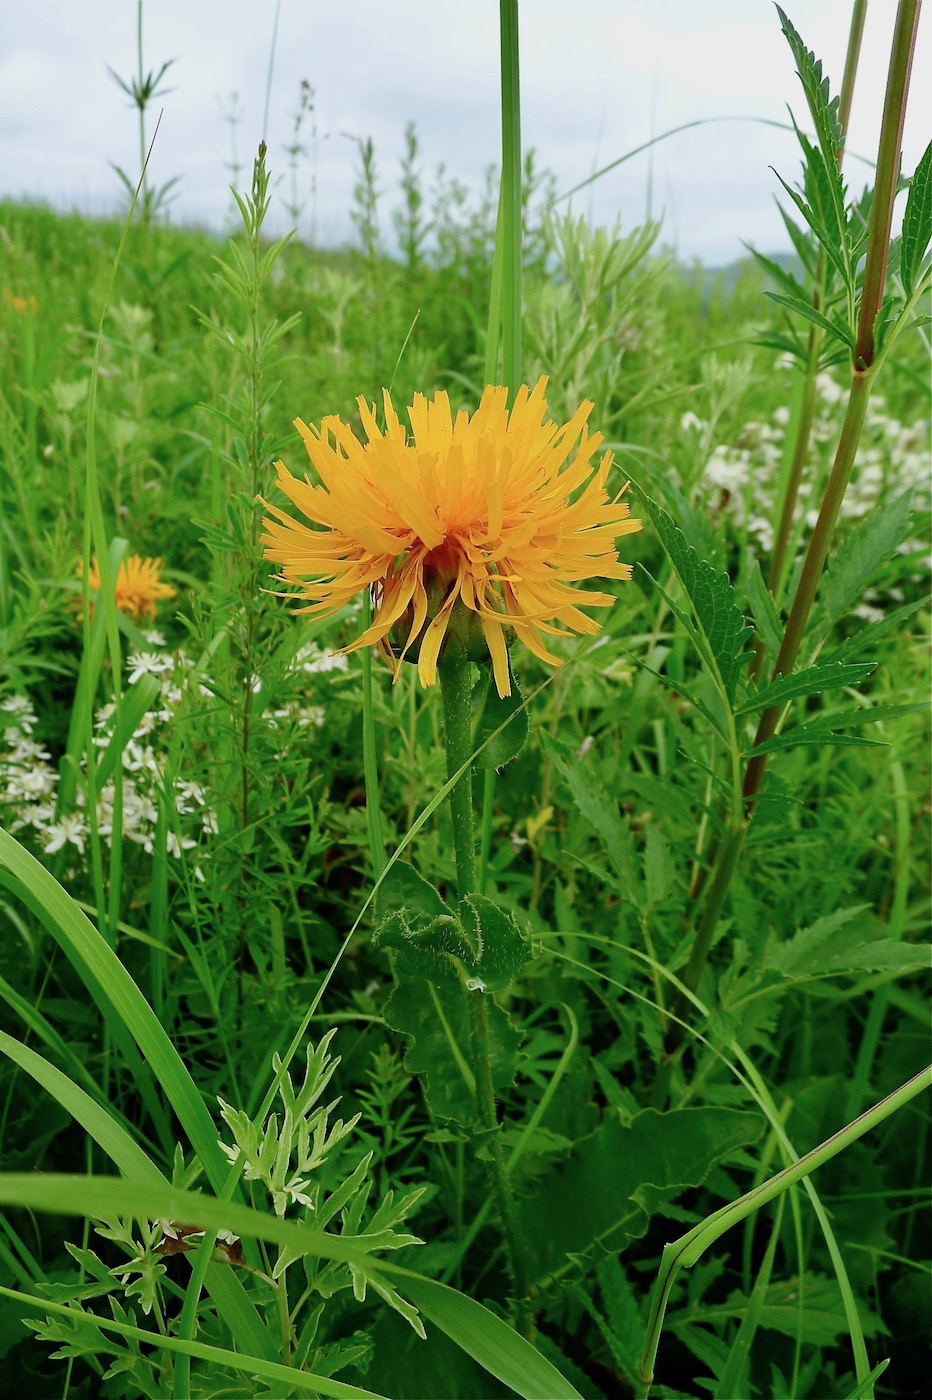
[{"x": 351, "y": 1076}]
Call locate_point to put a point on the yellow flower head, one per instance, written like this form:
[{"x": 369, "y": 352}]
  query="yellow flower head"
[
  {"x": 24, "y": 305},
  {"x": 498, "y": 514},
  {"x": 138, "y": 586}
]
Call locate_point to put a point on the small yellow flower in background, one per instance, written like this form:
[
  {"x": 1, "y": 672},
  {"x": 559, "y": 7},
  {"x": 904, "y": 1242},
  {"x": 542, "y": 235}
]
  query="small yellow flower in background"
[
  {"x": 138, "y": 586},
  {"x": 499, "y": 513},
  {"x": 24, "y": 305}
]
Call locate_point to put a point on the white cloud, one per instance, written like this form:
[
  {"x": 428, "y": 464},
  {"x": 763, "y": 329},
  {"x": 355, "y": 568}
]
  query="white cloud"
[{"x": 598, "y": 78}]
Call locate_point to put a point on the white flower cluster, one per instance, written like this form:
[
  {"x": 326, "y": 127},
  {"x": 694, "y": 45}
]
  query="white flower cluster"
[
  {"x": 741, "y": 479},
  {"x": 29, "y": 784}
]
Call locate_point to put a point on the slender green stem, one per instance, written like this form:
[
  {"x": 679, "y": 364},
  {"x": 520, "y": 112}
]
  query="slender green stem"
[
  {"x": 370, "y": 762},
  {"x": 510, "y": 203},
  {"x": 816, "y": 555},
  {"x": 684, "y": 1252},
  {"x": 885, "y": 180},
  {"x": 855, "y": 34},
  {"x": 456, "y": 689},
  {"x": 804, "y": 423}
]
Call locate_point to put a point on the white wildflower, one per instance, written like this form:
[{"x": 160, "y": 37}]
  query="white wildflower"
[{"x": 70, "y": 829}]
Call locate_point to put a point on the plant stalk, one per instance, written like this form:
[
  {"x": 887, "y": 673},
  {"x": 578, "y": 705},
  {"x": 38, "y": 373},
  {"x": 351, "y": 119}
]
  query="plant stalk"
[
  {"x": 862, "y": 377},
  {"x": 455, "y": 674},
  {"x": 885, "y": 180}
]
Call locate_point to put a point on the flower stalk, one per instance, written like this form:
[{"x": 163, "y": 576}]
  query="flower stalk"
[{"x": 455, "y": 673}]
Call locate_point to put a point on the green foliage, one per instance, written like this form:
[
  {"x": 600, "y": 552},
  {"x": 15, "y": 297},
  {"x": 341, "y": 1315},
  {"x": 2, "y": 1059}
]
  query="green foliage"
[
  {"x": 917, "y": 222},
  {"x": 175, "y": 986},
  {"x": 719, "y": 629}
]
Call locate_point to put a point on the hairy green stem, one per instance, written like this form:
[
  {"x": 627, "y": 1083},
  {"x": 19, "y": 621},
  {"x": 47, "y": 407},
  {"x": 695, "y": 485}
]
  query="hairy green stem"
[{"x": 455, "y": 674}]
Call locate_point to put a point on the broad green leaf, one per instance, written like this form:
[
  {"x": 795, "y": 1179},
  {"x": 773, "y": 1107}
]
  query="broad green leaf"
[
  {"x": 659, "y": 867},
  {"x": 403, "y": 888},
  {"x": 480, "y": 939},
  {"x": 712, "y": 597},
  {"x": 883, "y": 955},
  {"x": 616, "y": 1178},
  {"x": 917, "y": 221},
  {"x": 861, "y": 554},
  {"x": 498, "y": 710},
  {"x": 435, "y": 1017},
  {"x": 813, "y": 681},
  {"x": 819, "y": 1322}
]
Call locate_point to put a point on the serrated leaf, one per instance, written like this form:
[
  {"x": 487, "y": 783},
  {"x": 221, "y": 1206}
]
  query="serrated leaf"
[
  {"x": 823, "y": 108},
  {"x": 821, "y": 1318},
  {"x": 806, "y": 953},
  {"x": 781, "y": 275},
  {"x": 804, "y": 246},
  {"x": 647, "y": 1163},
  {"x": 675, "y": 685},
  {"x": 496, "y": 711},
  {"x": 861, "y": 554},
  {"x": 804, "y": 734},
  {"x": 882, "y": 955},
  {"x": 805, "y": 308},
  {"x": 917, "y": 221},
  {"x": 831, "y": 675},
  {"x": 404, "y": 888},
  {"x": 712, "y": 598}
]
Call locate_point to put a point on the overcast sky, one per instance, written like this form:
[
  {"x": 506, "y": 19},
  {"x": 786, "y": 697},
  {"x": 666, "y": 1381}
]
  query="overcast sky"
[{"x": 599, "y": 77}]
